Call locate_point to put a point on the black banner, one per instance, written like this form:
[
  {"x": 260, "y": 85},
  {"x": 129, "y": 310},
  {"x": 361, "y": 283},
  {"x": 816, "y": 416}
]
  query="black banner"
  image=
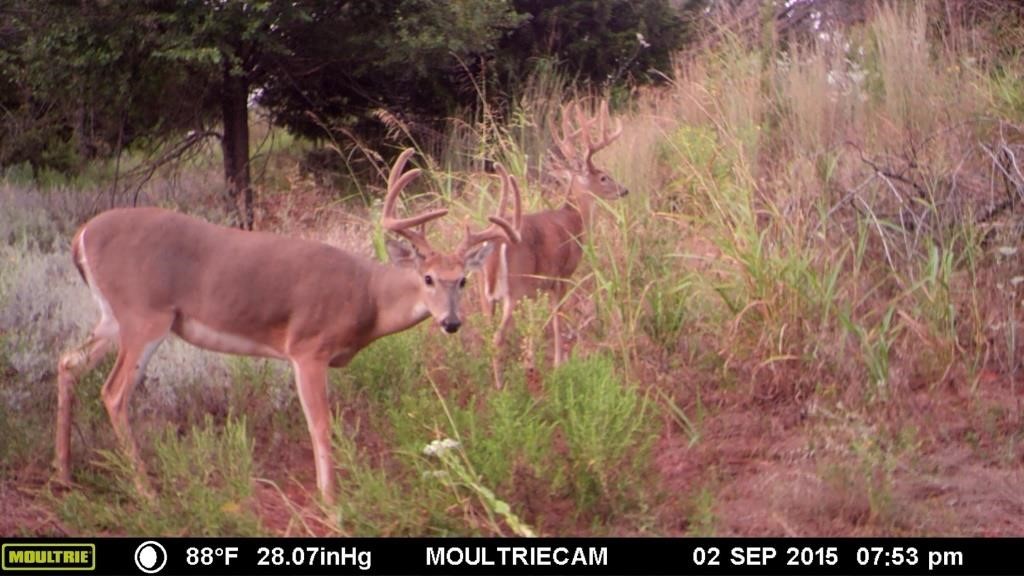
[{"x": 624, "y": 556}]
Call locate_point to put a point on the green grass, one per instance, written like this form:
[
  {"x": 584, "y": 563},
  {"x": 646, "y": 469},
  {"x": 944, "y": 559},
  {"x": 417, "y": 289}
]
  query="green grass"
[
  {"x": 398, "y": 500},
  {"x": 703, "y": 520},
  {"x": 861, "y": 465},
  {"x": 16, "y": 440},
  {"x": 605, "y": 426},
  {"x": 263, "y": 392},
  {"x": 517, "y": 438},
  {"x": 584, "y": 439},
  {"x": 202, "y": 481}
]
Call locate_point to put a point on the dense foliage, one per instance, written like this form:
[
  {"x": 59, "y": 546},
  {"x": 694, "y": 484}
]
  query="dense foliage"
[{"x": 80, "y": 80}]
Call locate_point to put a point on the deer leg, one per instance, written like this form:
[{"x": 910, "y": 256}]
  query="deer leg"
[
  {"x": 495, "y": 283},
  {"x": 311, "y": 380},
  {"x": 556, "y": 327},
  {"x": 71, "y": 367},
  {"x": 487, "y": 305},
  {"x": 499, "y": 340},
  {"x": 558, "y": 337},
  {"x": 129, "y": 370}
]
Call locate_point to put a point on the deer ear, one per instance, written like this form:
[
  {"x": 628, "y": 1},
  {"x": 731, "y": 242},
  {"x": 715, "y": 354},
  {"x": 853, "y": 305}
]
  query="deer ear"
[
  {"x": 474, "y": 259},
  {"x": 402, "y": 254}
]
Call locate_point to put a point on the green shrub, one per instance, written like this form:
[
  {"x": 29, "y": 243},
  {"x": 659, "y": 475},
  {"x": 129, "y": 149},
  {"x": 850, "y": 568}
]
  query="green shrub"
[
  {"x": 606, "y": 431},
  {"x": 398, "y": 501},
  {"x": 202, "y": 481}
]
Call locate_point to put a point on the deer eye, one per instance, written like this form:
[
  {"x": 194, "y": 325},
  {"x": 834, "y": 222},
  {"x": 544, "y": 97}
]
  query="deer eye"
[
  {"x": 462, "y": 282},
  {"x": 428, "y": 280}
]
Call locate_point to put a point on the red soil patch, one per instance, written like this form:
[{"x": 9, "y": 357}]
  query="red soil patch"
[
  {"x": 23, "y": 514},
  {"x": 776, "y": 471}
]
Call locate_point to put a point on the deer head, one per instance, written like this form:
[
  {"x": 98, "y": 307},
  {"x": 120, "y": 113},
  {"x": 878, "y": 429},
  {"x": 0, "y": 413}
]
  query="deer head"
[
  {"x": 575, "y": 149},
  {"x": 443, "y": 275}
]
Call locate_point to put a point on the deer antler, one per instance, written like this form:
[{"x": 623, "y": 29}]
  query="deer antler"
[
  {"x": 508, "y": 182},
  {"x": 500, "y": 228},
  {"x": 564, "y": 139},
  {"x": 605, "y": 138},
  {"x": 403, "y": 226},
  {"x": 575, "y": 146}
]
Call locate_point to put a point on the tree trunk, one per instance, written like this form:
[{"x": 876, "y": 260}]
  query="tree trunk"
[
  {"x": 235, "y": 144},
  {"x": 84, "y": 134}
]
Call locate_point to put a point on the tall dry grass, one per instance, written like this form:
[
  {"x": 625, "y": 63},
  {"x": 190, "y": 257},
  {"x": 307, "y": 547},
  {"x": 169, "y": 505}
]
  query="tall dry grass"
[{"x": 844, "y": 187}]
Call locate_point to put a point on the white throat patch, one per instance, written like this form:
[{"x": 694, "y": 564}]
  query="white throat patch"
[{"x": 419, "y": 311}]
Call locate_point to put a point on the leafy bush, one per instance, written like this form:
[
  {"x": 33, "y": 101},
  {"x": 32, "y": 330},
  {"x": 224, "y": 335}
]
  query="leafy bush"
[
  {"x": 203, "y": 485},
  {"x": 605, "y": 425}
]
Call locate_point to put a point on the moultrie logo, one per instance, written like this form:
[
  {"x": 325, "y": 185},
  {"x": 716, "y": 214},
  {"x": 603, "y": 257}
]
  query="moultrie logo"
[{"x": 48, "y": 556}]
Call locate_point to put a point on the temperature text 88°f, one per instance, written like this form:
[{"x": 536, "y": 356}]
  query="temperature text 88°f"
[
  {"x": 313, "y": 556},
  {"x": 209, "y": 555}
]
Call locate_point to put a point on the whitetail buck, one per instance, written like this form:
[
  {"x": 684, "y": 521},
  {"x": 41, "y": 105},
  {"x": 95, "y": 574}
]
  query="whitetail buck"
[
  {"x": 155, "y": 272},
  {"x": 551, "y": 242}
]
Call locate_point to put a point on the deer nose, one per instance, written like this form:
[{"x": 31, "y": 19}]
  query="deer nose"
[
  {"x": 450, "y": 325},
  {"x": 625, "y": 191}
]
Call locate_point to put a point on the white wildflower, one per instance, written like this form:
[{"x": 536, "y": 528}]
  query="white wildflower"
[{"x": 439, "y": 447}]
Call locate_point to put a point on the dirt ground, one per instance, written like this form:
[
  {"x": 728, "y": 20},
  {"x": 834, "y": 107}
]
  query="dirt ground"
[
  {"x": 766, "y": 479},
  {"x": 770, "y": 483}
]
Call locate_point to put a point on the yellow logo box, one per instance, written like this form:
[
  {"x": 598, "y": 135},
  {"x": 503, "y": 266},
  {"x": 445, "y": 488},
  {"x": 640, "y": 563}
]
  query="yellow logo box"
[{"x": 49, "y": 556}]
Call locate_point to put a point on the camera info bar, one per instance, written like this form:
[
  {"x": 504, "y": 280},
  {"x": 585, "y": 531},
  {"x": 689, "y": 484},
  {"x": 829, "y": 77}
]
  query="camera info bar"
[{"x": 623, "y": 556}]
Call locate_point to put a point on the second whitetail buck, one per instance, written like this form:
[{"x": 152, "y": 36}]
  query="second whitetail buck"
[
  {"x": 550, "y": 244},
  {"x": 155, "y": 272}
]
